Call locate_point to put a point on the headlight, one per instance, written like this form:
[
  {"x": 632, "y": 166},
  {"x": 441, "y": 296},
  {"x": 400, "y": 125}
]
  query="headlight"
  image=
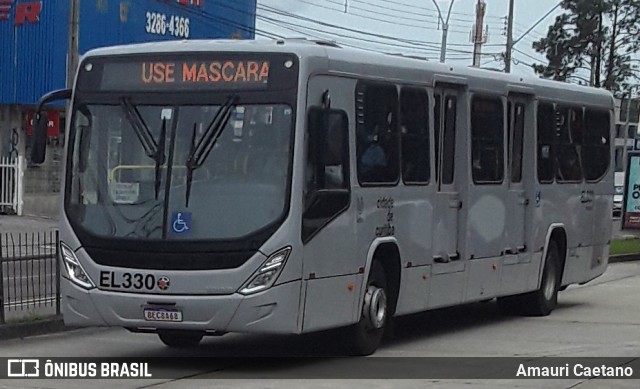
[
  {"x": 268, "y": 272},
  {"x": 74, "y": 269}
]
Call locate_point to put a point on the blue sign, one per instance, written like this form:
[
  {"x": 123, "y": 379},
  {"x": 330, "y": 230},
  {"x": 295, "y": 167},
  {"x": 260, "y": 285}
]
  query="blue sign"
[
  {"x": 538, "y": 199},
  {"x": 181, "y": 223}
]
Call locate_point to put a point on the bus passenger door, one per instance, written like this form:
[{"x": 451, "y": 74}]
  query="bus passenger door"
[
  {"x": 447, "y": 198},
  {"x": 517, "y": 201},
  {"x": 448, "y": 275}
]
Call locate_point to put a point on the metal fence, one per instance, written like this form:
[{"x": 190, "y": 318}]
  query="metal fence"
[
  {"x": 29, "y": 273},
  {"x": 11, "y": 185}
]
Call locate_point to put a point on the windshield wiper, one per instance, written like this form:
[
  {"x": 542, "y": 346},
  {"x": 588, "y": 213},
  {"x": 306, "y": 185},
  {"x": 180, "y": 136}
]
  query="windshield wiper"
[
  {"x": 142, "y": 131},
  {"x": 199, "y": 152},
  {"x": 145, "y": 136},
  {"x": 159, "y": 156}
]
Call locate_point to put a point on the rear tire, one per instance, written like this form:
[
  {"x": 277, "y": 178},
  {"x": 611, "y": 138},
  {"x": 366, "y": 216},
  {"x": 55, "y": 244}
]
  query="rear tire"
[
  {"x": 365, "y": 336},
  {"x": 180, "y": 339},
  {"x": 544, "y": 300}
]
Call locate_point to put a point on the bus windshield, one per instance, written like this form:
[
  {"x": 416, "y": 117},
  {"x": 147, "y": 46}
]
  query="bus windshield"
[{"x": 130, "y": 176}]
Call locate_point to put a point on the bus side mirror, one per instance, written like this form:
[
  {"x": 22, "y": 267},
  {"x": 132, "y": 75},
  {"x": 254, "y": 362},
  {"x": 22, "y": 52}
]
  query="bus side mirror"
[
  {"x": 39, "y": 141},
  {"x": 39, "y": 136}
]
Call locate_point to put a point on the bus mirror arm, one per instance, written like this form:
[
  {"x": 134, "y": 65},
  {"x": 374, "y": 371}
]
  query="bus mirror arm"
[{"x": 40, "y": 120}]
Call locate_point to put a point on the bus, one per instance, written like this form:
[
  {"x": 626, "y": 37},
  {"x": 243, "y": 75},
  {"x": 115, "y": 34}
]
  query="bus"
[{"x": 295, "y": 186}]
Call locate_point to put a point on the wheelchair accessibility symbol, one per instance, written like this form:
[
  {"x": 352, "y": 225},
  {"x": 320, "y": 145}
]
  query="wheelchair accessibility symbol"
[{"x": 181, "y": 223}]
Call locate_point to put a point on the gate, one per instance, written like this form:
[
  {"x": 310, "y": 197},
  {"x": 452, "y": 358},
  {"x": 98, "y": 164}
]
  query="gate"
[{"x": 11, "y": 185}]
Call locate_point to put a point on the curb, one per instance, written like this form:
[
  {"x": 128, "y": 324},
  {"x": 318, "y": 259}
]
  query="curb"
[
  {"x": 624, "y": 258},
  {"x": 25, "y": 329}
]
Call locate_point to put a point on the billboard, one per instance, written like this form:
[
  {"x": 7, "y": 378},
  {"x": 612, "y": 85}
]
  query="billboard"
[
  {"x": 109, "y": 22},
  {"x": 34, "y": 35},
  {"x": 631, "y": 206},
  {"x": 33, "y": 49}
]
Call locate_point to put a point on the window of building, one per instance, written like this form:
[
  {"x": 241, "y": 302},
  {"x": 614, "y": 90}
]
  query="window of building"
[
  {"x": 414, "y": 124},
  {"x": 487, "y": 140},
  {"x": 377, "y": 133},
  {"x": 619, "y": 159}
]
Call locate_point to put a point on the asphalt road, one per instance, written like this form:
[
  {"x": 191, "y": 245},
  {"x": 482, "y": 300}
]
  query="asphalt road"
[{"x": 599, "y": 319}]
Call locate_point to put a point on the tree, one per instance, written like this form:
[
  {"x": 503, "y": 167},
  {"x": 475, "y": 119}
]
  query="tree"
[{"x": 596, "y": 37}]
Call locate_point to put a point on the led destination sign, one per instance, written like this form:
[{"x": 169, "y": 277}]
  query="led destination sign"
[
  {"x": 233, "y": 72},
  {"x": 228, "y": 74},
  {"x": 246, "y": 72}
]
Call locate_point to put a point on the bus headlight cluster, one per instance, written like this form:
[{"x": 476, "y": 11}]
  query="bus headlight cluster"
[
  {"x": 268, "y": 272},
  {"x": 74, "y": 269}
]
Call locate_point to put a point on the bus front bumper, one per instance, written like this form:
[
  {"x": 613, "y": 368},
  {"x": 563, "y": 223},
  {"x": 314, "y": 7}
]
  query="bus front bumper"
[{"x": 274, "y": 310}]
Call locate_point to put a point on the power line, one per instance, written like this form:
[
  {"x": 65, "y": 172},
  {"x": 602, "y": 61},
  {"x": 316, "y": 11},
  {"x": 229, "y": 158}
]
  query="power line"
[
  {"x": 538, "y": 22},
  {"x": 219, "y": 19},
  {"x": 387, "y": 15},
  {"x": 525, "y": 54},
  {"x": 341, "y": 43},
  {"x": 382, "y": 36},
  {"x": 288, "y": 25}
]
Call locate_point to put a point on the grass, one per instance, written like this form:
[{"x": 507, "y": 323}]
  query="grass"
[
  {"x": 625, "y": 246},
  {"x": 31, "y": 317}
]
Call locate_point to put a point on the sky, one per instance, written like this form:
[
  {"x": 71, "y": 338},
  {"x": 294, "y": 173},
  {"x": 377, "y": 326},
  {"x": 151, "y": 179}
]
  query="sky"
[{"x": 411, "y": 27}]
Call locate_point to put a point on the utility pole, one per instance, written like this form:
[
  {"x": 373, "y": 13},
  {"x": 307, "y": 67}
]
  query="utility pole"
[
  {"x": 445, "y": 29},
  {"x": 72, "y": 49},
  {"x": 478, "y": 37},
  {"x": 507, "y": 55}
]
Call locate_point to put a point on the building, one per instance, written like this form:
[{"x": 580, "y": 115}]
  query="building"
[
  {"x": 627, "y": 138},
  {"x": 40, "y": 42}
]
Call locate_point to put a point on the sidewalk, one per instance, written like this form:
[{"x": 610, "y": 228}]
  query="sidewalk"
[{"x": 19, "y": 224}]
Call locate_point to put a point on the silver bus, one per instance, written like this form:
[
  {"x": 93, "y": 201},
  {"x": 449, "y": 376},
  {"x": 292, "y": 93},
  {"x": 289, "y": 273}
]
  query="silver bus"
[{"x": 294, "y": 186}]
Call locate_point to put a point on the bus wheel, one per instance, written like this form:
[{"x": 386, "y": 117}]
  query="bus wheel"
[
  {"x": 544, "y": 300},
  {"x": 180, "y": 339},
  {"x": 367, "y": 334}
]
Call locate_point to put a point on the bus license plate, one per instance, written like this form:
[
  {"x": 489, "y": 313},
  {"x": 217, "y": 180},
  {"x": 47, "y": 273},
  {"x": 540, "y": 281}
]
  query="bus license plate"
[{"x": 162, "y": 315}]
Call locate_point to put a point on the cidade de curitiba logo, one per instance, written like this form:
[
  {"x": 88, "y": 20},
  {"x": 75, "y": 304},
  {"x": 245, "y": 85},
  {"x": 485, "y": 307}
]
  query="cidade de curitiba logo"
[{"x": 33, "y": 368}]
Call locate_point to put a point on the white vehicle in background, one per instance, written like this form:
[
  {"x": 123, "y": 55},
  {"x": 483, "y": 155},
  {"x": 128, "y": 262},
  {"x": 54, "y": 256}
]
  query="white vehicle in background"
[{"x": 618, "y": 196}]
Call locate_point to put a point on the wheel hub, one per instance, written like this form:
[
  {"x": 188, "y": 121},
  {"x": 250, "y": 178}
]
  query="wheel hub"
[{"x": 375, "y": 307}]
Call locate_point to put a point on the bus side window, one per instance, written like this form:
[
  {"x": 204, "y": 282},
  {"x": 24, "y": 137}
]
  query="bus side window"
[
  {"x": 595, "y": 150},
  {"x": 546, "y": 147},
  {"x": 326, "y": 192},
  {"x": 487, "y": 134},
  {"x": 377, "y": 146},
  {"x": 516, "y": 147},
  {"x": 568, "y": 141},
  {"x": 449, "y": 140},
  {"x": 437, "y": 129},
  {"x": 414, "y": 106}
]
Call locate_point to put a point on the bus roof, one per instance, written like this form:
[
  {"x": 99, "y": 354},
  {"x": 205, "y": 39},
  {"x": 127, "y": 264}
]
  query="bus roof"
[{"x": 350, "y": 61}]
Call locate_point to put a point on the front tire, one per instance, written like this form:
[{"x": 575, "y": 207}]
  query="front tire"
[
  {"x": 365, "y": 336},
  {"x": 180, "y": 339}
]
